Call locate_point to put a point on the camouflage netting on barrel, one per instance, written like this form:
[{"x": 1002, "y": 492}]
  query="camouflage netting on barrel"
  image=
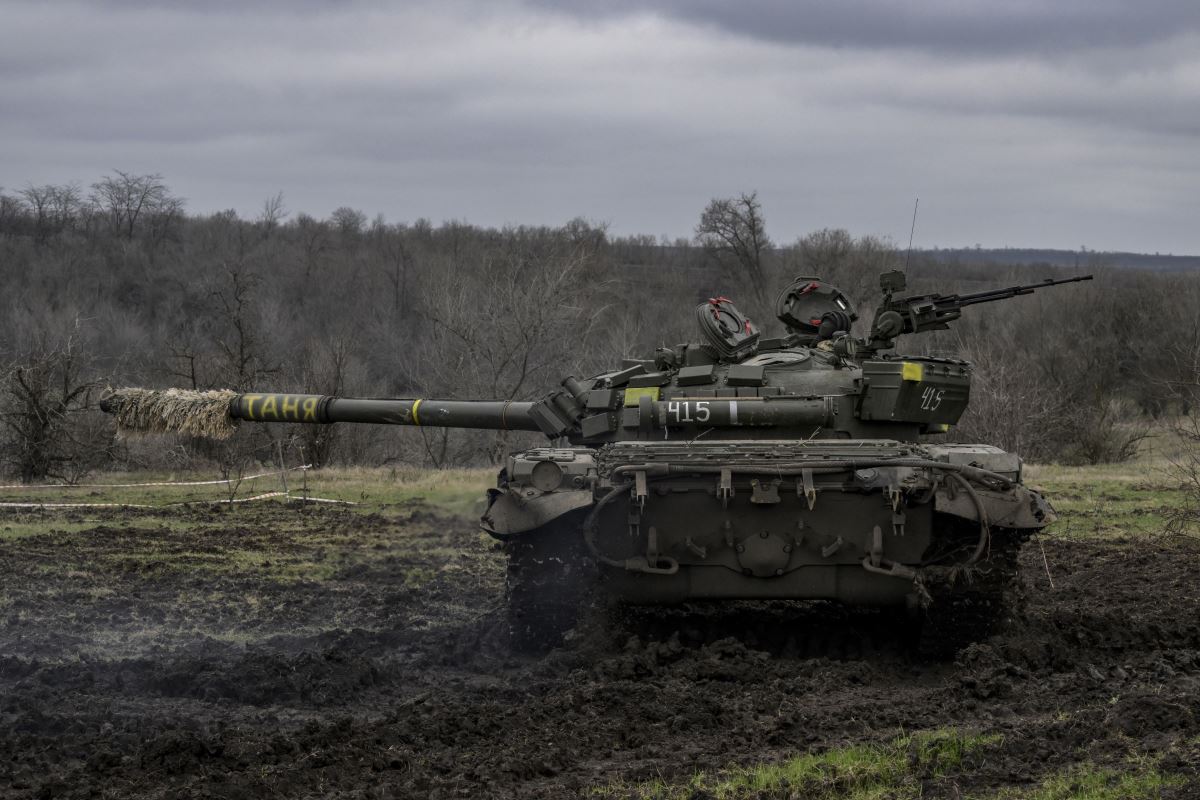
[{"x": 172, "y": 411}]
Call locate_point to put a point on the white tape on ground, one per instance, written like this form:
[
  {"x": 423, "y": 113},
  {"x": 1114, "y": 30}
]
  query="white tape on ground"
[
  {"x": 75, "y": 505},
  {"x": 265, "y": 496},
  {"x": 158, "y": 483}
]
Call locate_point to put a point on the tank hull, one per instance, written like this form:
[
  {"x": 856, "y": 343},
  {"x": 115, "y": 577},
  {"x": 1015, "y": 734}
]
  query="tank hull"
[{"x": 865, "y": 522}]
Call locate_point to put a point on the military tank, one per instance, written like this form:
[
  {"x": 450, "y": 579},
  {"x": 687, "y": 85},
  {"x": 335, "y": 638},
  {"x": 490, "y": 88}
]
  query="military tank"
[{"x": 739, "y": 467}]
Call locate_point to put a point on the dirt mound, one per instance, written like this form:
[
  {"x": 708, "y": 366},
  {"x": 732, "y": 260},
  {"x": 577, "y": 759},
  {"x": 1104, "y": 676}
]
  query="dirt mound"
[{"x": 329, "y": 654}]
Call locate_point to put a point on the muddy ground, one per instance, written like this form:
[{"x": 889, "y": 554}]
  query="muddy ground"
[{"x": 272, "y": 652}]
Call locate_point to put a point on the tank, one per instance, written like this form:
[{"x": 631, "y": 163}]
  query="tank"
[{"x": 805, "y": 467}]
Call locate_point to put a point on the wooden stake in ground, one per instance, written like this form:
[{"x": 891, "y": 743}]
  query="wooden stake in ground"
[
  {"x": 304, "y": 477},
  {"x": 1045, "y": 562},
  {"x": 282, "y": 467}
]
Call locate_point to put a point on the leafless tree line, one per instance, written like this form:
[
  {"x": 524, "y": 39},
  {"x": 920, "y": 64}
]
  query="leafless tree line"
[{"x": 117, "y": 285}]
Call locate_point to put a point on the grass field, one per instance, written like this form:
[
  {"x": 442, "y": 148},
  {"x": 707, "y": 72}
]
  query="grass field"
[{"x": 1103, "y": 500}]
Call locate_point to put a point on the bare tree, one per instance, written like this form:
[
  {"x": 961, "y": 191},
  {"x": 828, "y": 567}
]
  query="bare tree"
[
  {"x": 733, "y": 231},
  {"x": 314, "y": 240},
  {"x": 348, "y": 221},
  {"x": 10, "y": 213},
  {"x": 66, "y": 202},
  {"x": 514, "y": 328},
  {"x": 273, "y": 212},
  {"x": 127, "y": 199},
  {"x": 38, "y": 200},
  {"x": 53, "y": 208},
  {"x": 47, "y": 414},
  {"x": 237, "y": 337},
  {"x": 394, "y": 261},
  {"x": 327, "y": 366}
]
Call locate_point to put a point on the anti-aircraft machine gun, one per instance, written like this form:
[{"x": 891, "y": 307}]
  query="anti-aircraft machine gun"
[{"x": 738, "y": 467}]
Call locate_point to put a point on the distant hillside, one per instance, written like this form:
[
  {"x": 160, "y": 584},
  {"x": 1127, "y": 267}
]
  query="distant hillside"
[{"x": 1062, "y": 258}]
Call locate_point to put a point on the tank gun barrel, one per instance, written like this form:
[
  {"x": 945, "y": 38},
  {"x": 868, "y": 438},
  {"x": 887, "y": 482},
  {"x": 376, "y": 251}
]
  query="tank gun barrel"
[
  {"x": 324, "y": 409},
  {"x": 213, "y": 414}
]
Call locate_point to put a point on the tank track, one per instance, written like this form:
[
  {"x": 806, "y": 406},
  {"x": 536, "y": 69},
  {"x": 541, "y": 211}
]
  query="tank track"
[
  {"x": 550, "y": 581},
  {"x": 547, "y": 581},
  {"x": 964, "y": 606}
]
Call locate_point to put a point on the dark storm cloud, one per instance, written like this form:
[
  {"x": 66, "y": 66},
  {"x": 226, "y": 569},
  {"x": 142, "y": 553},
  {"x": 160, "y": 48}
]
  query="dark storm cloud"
[
  {"x": 958, "y": 26},
  {"x": 1047, "y": 124}
]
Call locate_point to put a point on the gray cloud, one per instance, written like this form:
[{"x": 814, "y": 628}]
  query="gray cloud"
[
  {"x": 1076, "y": 125},
  {"x": 957, "y": 26}
]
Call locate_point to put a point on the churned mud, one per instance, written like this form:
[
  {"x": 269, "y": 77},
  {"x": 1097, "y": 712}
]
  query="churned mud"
[{"x": 278, "y": 652}]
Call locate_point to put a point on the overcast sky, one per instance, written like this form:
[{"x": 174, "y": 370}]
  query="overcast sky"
[{"x": 1062, "y": 123}]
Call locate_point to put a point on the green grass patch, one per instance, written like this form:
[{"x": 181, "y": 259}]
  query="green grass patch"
[
  {"x": 1088, "y": 781},
  {"x": 25, "y": 526},
  {"x": 267, "y": 565},
  {"x": 454, "y": 491},
  {"x": 1107, "y": 500},
  {"x": 894, "y": 770}
]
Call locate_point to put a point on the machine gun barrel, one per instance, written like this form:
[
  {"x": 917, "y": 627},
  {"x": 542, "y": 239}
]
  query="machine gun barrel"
[
  {"x": 928, "y": 312},
  {"x": 1011, "y": 291},
  {"x": 322, "y": 409}
]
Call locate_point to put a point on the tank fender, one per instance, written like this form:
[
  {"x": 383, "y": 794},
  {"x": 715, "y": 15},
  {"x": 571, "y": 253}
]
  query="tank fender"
[
  {"x": 509, "y": 512},
  {"x": 1018, "y": 507},
  {"x": 537, "y": 487}
]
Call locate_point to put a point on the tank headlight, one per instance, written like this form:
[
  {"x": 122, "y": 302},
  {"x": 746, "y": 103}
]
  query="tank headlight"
[{"x": 546, "y": 476}]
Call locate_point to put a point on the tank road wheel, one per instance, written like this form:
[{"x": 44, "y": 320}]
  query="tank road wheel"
[{"x": 547, "y": 581}]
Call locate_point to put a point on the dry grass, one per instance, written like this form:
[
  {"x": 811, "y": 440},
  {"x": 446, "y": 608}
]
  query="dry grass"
[
  {"x": 460, "y": 492},
  {"x": 173, "y": 411},
  {"x": 1134, "y": 498}
]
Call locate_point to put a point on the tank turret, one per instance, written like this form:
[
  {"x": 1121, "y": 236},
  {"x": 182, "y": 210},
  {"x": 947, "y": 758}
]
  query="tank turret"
[{"x": 735, "y": 467}]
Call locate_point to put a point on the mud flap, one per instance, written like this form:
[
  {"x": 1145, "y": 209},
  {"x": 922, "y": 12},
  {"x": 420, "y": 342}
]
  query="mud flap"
[
  {"x": 509, "y": 513},
  {"x": 1018, "y": 507}
]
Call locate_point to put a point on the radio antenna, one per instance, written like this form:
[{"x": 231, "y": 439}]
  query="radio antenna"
[{"x": 911, "y": 231}]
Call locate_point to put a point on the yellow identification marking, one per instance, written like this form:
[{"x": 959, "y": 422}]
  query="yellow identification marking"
[
  {"x": 415, "y": 418},
  {"x": 942, "y": 428},
  {"x": 250, "y": 400},
  {"x": 291, "y": 406},
  {"x": 912, "y": 371},
  {"x": 271, "y": 406},
  {"x": 633, "y": 394},
  {"x": 310, "y": 409}
]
